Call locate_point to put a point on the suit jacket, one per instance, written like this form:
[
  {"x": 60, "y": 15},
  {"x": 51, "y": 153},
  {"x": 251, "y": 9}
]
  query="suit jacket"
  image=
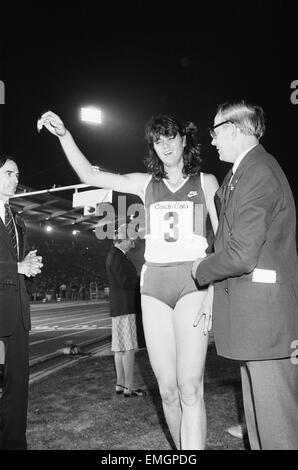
[
  {"x": 14, "y": 300},
  {"x": 123, "y": 281},
  {"x": 253, "y": 319}
]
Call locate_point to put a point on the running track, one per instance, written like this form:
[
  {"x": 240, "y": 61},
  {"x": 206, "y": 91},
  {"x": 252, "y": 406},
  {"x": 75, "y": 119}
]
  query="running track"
[{"x": 54, "y": 325}]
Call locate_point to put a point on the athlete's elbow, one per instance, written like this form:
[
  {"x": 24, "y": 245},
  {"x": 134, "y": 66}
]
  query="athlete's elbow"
[
  {"x": 87, "y": 177},
  {"x": 84, "y": 179}
]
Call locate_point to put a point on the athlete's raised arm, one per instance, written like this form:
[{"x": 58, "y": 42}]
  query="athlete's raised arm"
[{"x": 132, "y": 183}]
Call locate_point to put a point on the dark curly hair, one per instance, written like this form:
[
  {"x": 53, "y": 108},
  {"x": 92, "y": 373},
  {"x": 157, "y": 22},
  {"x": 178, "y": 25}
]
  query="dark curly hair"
[
  {"x": 3, "y": 160},
  {"x": 169, "y": 127}
]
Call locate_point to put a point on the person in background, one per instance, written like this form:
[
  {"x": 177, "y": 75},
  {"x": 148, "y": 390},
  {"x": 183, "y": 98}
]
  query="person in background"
[
  {"x": 123, "y": 282},
  {"x": 254, "y": 271},
  {"x": 82, "y": 292},
  {"x": 14, "y": 313},
  {"x": 177, "y": 198},
  {"x": 63, "y": 291}
]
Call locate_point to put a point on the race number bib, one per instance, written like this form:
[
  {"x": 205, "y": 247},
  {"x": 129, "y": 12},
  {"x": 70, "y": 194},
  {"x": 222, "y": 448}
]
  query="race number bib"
[{"x": 171, "y": 221}]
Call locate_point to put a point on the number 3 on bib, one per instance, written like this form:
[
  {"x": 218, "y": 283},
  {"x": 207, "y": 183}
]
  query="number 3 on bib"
[{"x": 173, "y": 234}]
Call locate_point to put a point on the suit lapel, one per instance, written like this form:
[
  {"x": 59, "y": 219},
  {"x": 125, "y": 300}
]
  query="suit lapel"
[
  {"x": 222, "y": 190},
  {"x": 219, "y": 199},
  {"x": 21, "y": 229},
  {"x": 5, "y": 236},
  {"x": 226, "y": 191},
  {"x": 231, "y": 187},
  {"x": 221, "y": 194},
  {"x": 247, "y": 161}
]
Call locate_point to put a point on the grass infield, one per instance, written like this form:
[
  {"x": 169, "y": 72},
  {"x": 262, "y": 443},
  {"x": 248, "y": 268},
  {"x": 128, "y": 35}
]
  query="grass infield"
[{"x": 76, "y": 408}]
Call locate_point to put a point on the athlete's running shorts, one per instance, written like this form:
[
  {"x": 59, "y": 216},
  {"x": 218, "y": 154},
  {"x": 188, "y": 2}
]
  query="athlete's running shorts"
[{"x": 167, "y": 282}]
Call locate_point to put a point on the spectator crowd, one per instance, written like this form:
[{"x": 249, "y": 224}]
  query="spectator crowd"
[{"x": 71, "y": 268}]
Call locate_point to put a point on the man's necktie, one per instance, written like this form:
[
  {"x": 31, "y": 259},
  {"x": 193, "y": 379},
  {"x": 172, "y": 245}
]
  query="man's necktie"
[
  {"x": 223, "y": 191},
  {"x": 9, "y": 223},
  {"x": 229, "y": 177}
]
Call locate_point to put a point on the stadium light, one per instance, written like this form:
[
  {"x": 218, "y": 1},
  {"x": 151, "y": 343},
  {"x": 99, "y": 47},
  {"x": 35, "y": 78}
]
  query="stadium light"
[{"x": 91, "y": 115}]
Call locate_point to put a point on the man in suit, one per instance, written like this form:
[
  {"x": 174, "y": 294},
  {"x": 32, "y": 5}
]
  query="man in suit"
[
  {"x": 123, "y": 281},
  {"x": 254, "y": 271},
  {"x": 14, "y": 314}
]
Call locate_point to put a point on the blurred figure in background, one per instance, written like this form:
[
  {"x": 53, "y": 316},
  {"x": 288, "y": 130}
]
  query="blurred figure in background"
[{"x": 123, "y": 280}]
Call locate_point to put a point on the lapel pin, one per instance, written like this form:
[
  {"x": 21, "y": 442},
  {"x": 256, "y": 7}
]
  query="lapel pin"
[{"x": 232, "y": 187}]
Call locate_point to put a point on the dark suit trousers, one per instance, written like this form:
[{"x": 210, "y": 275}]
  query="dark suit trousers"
[
  {"x": 270, "y": 396},
  {"x": 14, "y": 400}
]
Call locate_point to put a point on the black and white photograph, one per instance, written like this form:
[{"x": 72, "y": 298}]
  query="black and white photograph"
[{"x": 148, "y": 229}]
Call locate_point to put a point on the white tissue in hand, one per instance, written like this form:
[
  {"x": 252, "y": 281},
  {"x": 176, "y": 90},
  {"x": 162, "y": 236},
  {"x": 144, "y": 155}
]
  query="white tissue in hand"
[{"x": 39, "y": 125}]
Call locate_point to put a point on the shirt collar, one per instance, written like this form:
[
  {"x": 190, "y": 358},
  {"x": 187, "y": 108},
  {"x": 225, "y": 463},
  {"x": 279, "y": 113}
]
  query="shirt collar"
[
  {"x": 120, "y": 249},
  {"x": 2, "y": 210},
  {"x": 2, "y": 204},
  {"x": 240, "y": 158}
]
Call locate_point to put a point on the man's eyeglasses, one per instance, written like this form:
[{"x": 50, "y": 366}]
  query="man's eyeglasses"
[{"x": 211, "y": 130}]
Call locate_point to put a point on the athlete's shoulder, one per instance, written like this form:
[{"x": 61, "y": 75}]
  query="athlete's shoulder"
[{"x": 210, "y": 180}]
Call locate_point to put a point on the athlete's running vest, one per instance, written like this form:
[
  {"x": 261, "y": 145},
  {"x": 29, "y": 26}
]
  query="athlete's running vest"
[{"x": 175, "y": 221}]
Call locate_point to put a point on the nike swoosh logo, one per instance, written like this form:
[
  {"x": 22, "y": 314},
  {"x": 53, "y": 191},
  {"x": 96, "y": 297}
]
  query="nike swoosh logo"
[{"x": 192, "y": 193}]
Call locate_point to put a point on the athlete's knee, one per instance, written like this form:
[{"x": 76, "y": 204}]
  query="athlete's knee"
[
  {"x": 169, "y": 394},
  {"x": 191, "y": 392}
]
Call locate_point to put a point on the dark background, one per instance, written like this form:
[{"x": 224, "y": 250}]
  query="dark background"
[{"x": 137, "y": 60}]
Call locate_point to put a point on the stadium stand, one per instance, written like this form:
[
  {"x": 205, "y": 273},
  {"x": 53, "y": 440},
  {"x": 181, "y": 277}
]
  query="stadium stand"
[{"x": 73, "y": 257}]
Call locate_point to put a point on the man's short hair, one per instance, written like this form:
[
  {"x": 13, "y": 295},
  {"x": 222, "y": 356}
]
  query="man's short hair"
[
  {"x": 3, "y": 160},
  {"x": 249, "y": 118}
]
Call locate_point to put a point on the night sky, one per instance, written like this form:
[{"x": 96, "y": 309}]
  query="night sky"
[{"x": 137, "y": 62}]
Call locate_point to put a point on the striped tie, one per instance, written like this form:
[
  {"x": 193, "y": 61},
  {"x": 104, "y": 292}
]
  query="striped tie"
[{"x": 9, "y": 223}]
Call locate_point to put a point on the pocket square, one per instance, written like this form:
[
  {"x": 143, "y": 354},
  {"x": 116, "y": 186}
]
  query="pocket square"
[{"x": 264, "y": 275}]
